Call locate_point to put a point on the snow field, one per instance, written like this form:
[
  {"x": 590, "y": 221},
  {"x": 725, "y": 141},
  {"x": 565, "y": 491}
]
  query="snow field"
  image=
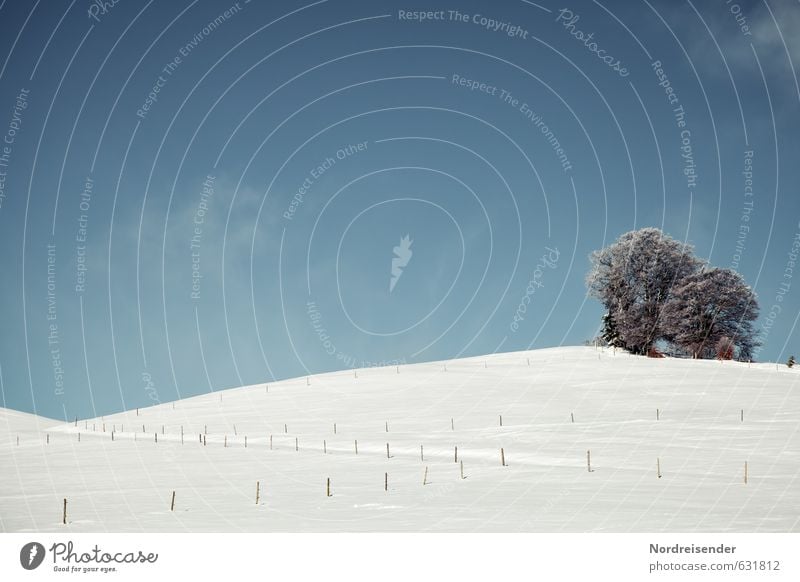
[{"x": 699, "y": 439}]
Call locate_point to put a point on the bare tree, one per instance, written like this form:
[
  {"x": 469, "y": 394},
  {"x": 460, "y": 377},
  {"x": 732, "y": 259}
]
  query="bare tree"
[
  {"x": 711, "y": 310},
  {"x": 634, "y": 278}
]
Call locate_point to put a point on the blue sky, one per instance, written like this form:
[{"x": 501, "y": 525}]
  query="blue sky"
[{"x": 200, "y": 195}]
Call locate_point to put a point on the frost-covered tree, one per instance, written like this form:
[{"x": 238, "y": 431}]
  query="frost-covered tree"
[
  {"x": 747, "y": 345},
  {"x": 634, "y": 279},
  {"x": 791, "y": 362},
  {"x": 711, "y": 311}
]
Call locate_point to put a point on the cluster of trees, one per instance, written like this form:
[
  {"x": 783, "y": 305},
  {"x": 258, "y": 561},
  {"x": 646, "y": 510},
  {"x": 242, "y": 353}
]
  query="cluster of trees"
[{"x": 656, "y": 291}]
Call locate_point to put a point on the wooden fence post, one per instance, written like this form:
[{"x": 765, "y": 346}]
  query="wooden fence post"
[
  {"x": 64, "y": 515},
  {"x": 172, "y": 505}
]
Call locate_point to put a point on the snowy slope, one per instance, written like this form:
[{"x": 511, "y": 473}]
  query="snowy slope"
[{"x": 699, "y": 438}]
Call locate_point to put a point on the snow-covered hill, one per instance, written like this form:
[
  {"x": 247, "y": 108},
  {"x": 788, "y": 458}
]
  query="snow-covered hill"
[{"x": 701, "y": 420}]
